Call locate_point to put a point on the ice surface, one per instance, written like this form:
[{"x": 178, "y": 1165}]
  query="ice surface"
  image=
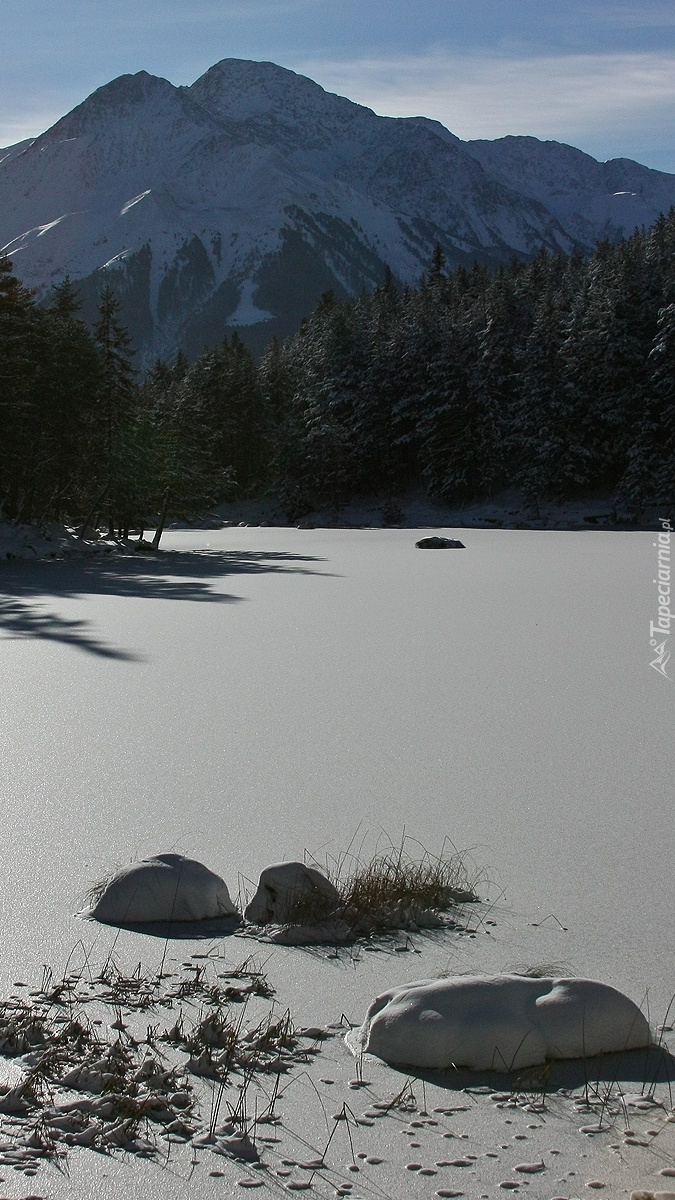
[
  {"x": 167, "y": 887},
  {"x": 500, "y": 1022},
  {"x": 250, "y": 693}
]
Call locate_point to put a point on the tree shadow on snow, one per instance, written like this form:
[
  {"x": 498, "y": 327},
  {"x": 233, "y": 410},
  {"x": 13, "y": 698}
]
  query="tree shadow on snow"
[
  {"x": 23, "y": 619},
  {"x": 165, "y": 575}
]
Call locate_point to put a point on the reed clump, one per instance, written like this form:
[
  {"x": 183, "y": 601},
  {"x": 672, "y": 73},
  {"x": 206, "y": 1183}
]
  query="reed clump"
[{"x": 401, "y": 886}]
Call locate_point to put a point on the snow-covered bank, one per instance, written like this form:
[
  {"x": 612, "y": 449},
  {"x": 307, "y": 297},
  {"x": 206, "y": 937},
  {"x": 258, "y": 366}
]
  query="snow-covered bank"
[
  {"x": 51, "y": 540},
  {"x": 37, "y": 541},
  {"x": 413, "y": 511},
  {"x": 416, "y": 511}
]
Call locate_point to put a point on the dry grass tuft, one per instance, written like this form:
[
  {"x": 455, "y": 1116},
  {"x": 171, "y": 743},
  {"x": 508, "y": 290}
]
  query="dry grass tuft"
[
  {"x": 395, "y": 889},
  {"x": 402, "y": 886},
  {"x": 544, "y": 970}
]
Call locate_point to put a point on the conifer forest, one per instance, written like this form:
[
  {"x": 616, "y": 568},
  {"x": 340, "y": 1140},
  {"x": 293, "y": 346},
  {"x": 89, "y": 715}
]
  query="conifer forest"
[{"x": 554, "y": 376}]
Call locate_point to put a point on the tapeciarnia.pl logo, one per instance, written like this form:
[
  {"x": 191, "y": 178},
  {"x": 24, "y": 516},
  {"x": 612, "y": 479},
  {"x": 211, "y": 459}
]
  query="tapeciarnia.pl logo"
[{"x": 659, "y": 630}]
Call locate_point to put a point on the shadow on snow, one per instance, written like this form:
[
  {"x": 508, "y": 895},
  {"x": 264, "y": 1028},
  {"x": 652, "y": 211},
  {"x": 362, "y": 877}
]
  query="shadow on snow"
[
  {"x": 209, "y": 928},
  {"x": 165, "y": 575},
  {"x": 647, "y": 1067}
]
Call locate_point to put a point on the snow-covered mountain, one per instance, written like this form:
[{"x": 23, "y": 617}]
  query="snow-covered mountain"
[{"x": 234, "y": 203}]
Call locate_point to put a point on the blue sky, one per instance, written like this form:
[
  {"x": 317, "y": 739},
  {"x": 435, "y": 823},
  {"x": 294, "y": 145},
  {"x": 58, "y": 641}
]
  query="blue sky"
[{"x": 599, "y": 75}]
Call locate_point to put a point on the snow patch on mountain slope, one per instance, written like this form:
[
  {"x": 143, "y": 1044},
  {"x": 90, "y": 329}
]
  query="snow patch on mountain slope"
[
  {"x": 9, "y": 152},
  {"x": 136, "y": 200},
  {"x": 247, "y": 312}
]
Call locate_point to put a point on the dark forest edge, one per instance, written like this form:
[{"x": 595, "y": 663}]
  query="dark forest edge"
[{"x": 554, "y": 378}]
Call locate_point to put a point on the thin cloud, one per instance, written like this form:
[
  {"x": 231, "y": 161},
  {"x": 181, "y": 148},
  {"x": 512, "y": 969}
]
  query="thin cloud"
[
  {"x": 633, "y": 16},
  {"x": 18, "y": 129},
  {"x": 205, "y": 14},
  {"x": 487, "y": 96}
]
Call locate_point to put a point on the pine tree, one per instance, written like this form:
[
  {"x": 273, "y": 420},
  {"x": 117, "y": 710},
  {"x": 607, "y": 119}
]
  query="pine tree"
[
  {"x": 20, "y": 353},
  {"x": 650, "y": 474},
  {"x": 116, "y": 404},
  {"x": 69, "y": 383},
  {"x": 545, "y": 442}
]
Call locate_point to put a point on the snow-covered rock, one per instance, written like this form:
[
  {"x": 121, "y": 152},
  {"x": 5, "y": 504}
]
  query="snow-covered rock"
[
  {"x": 282, "y": 887},
  {"x": 167, "y": 887},
  {"x": 646, "y": 1194},
  {"x": 498, "y": 1022}
]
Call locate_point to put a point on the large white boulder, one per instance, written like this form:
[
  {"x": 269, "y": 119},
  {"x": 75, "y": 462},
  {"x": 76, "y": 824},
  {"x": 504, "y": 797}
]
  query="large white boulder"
[
  {"x": 289, "y": 889},
  {"x": 167, "y": 887},
  {"x": 498, "y": 1022}
]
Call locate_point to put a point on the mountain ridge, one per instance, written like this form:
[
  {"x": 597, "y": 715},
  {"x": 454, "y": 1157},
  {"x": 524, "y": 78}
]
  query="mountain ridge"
[{"x": 234, "y": 202}]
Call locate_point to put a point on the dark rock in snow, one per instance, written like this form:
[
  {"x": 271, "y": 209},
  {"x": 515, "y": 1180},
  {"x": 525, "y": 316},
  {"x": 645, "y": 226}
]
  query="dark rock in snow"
[{"x": 439, "y": 543}]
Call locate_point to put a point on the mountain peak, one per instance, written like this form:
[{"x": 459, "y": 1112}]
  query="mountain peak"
[
  {"x": 239, "y": 89},
  {"x": 130, "y": 89},
  {"x": 118, "y": 97}
]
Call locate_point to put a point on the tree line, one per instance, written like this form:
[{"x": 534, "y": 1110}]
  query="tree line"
[
  {"x": 554, "y": 376},
  {"x": 83, "y": 441}
]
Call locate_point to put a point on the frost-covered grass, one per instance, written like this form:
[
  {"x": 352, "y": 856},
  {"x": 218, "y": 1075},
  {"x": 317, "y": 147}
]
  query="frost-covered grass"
[{"x": 88, "y": 1073}]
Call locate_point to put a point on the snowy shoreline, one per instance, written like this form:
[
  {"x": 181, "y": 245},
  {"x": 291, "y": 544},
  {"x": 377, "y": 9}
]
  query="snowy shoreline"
[{"x": 415, "y": 511}]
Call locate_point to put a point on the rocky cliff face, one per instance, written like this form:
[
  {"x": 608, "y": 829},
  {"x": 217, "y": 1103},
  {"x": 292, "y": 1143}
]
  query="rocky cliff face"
[{"x": 234, "y": 203}]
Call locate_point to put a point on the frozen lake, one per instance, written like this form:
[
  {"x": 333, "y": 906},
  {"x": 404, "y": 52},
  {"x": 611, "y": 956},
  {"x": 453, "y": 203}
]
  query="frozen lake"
[
  {"x": 252, "y": 693},
  {"x": 255, "y": 692}
]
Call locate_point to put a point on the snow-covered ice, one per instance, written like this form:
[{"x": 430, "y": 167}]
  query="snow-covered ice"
[
  {"x": 167, "y": 887},
  {"x": 500, "y": 1022},
  {"x": 251, "y": 693}
]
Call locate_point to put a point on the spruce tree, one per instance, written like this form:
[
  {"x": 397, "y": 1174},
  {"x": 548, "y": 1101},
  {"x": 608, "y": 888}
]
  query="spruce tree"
[
  {"x": 116, "y": 403},
  {"x": 650, "y": 474},
  {"x": 20, "y": 358}
]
